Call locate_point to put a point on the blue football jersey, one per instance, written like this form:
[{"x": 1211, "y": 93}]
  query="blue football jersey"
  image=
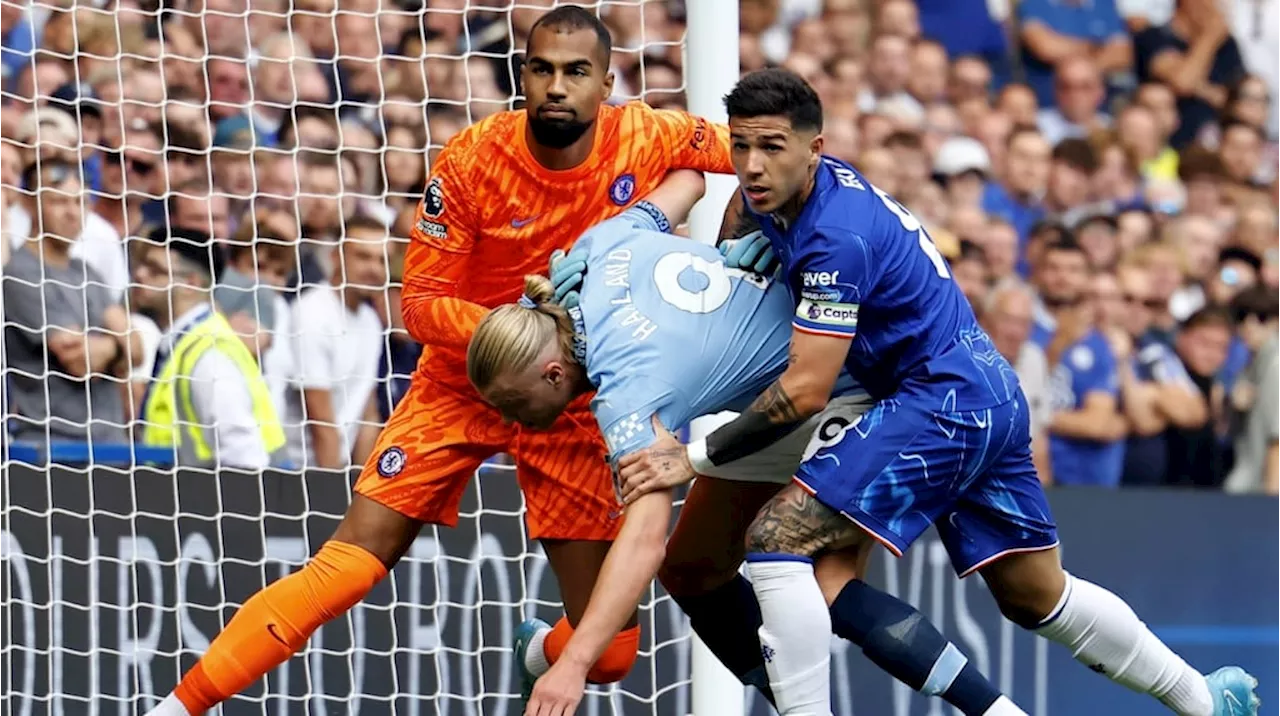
[
  {"x": 860, "y": 265},
  {"x": 670, "y": 330}
]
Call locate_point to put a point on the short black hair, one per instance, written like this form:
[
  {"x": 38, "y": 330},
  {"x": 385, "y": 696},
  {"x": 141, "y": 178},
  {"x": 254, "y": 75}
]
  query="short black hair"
[
  {"x": 47, "y": 171},
  {"x": 1232, "y": 122},
  {"x": 190, "y": 245},
  {"x": 1066, "y": 243},
  {"x": 1077, "y": 154},
  {"x": 971, "y": 251},
  {"x": 576, "y": 17},
  {"x": 776, "y": 92},
  {"x": 1210, "y": 316},
  {"x": 1257, "y": 300}
]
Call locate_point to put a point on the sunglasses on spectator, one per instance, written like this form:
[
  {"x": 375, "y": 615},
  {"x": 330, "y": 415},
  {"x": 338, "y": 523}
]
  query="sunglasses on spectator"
[
  {"x": 1154, "y": 304},
  {"x": 141, "y": 167}
]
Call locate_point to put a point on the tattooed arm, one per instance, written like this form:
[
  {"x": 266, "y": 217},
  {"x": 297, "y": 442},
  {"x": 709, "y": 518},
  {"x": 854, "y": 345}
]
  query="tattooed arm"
[{"x": 801, "y": 392}]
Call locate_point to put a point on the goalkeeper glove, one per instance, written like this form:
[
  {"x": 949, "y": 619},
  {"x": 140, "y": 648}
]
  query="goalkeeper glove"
[
  {"x": 568, "y": 273},
  {"x": 751, "y": 253}
]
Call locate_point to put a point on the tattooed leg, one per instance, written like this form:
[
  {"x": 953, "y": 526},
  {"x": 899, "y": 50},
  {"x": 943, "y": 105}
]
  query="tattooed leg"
[
  {"x": 781, "y": 542},
  {"x": 796, "y": 523}
]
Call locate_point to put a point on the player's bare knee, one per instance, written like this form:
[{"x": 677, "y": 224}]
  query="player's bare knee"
[
  {"x": 690, "y": 578},
  {"x": 834, "y": 570},
  {"x": 1027, "y": 588}
]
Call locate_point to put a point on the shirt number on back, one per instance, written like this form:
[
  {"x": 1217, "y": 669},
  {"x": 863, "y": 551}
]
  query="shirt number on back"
[
  {"x": 666, "y": 275},
  {"x": 911, "y": 223}
]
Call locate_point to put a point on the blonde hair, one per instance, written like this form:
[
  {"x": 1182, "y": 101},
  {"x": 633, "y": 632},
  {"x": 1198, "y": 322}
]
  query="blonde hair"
[{"x": 511, "y": 336}]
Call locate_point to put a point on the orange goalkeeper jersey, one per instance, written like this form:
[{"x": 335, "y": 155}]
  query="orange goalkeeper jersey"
[{"x": 491, "y": 213}]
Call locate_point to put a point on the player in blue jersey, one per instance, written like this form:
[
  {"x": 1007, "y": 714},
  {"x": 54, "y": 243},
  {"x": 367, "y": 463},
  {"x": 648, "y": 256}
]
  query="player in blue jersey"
[
  {"x": 947, "y": 442},
  {"x": 662, "y": 332}
]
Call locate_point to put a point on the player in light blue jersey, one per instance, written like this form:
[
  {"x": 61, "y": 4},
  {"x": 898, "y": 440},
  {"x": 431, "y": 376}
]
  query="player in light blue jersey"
[
  {"x": 947, "y": 442},
  {"x": 663, "y": 332}
]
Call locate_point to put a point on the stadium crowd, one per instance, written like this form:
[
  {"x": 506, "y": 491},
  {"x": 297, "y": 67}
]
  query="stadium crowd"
[{"x": 1101, "y": 176}]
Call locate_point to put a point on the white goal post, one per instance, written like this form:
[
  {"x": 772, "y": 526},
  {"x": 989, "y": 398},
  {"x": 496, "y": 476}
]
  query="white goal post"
[{"x": 711, "y": 70}]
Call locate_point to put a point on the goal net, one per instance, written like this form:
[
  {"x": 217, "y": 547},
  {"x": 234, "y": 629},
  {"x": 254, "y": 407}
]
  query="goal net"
[{"x": 252, "y": 124}]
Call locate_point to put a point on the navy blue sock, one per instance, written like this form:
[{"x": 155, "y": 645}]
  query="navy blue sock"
[
  {"x": 898, "y": 639},
  {"x": 727, "y": 619}
]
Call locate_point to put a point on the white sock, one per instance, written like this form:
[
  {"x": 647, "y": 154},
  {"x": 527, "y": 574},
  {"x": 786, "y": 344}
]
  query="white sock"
[
  {"x": 535, "y": 659},
  {"x": 171, "y": 706},
  {"x": 1105, "y": 635},
  {"x": 1004, "y": 707},
  {"x": 794, "y": 637}
]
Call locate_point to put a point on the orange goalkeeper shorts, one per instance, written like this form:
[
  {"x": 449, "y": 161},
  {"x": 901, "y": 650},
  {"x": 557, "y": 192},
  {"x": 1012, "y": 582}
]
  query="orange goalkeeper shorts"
[{"x": 438, "y": 436}]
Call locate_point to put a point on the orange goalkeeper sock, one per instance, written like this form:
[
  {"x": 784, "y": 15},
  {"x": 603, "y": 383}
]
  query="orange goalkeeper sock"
[
  {"x": 277, "y": 621},
  {"x": 613, "y": 665}
]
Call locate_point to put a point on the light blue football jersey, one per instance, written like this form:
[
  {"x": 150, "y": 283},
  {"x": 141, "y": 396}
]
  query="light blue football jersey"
[{"x": 670, "y": 330}]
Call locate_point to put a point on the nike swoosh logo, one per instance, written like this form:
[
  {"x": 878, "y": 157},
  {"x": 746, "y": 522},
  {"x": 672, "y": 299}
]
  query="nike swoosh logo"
[
  {"x": 520, "y": 223},
  {"x": 1231, "y": 700},
  {"x": 271, "y": 629}
]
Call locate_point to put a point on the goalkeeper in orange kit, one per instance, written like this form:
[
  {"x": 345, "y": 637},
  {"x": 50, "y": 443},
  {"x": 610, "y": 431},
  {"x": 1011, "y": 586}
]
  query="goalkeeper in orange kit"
[{"x": 502, "y": 196}]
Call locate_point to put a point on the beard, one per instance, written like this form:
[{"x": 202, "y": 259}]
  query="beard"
[
  {"x": 1060, "y": 301},
  {"x": 558, "y": 133}
]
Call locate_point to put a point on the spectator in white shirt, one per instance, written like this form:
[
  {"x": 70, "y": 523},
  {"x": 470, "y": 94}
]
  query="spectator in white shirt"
[{"x": 338, "y": 341}]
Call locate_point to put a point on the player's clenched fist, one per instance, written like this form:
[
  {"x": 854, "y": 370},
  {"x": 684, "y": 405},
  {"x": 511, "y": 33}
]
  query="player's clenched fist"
[
  {"x": 661, "y": 466},
  {"x": 559, "y": 691}
]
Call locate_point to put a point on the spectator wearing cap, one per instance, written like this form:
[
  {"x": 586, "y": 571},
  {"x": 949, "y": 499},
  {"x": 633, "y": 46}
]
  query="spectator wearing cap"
[
  {"x": 1236, "y": 272},
  {"x": 1197, "y": 57},
  {"x": 232, "y": 157},
  {"x": 66, "y": 337},
  {"x": 1006, "y": 315},
  {"x": 1155, "y": 390},
  {"x": 1055, "y": 32},
  {"x": 1078, "y": 92},
  {"x": 1086, "y": 429},
  {"x": 99, "y": 243},
  {"x": 961, "y": 166},
  {"x": 1196, "y": 455},
  {"x": 1252, "y": 401},
  {"x": 207, "y": 400}
]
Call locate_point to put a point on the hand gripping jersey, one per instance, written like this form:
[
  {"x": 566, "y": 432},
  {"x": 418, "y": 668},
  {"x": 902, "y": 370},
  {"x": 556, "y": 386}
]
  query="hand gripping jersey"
[
  {"x": 858, "y": 264},
  {"x": 671, "y": 330}
]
